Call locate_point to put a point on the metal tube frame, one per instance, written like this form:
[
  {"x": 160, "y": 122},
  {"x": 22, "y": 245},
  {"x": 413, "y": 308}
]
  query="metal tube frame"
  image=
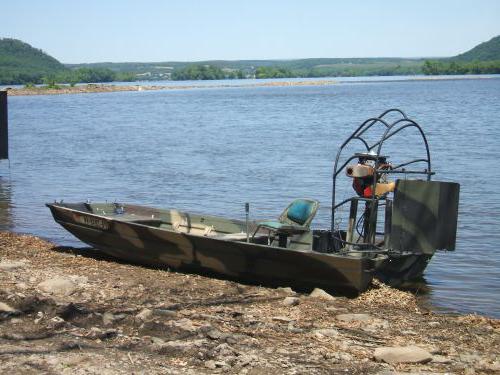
[{"x": 391, "y": 129}]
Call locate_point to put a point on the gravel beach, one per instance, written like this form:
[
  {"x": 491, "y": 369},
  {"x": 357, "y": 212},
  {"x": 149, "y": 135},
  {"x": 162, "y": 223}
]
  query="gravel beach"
[{"x": 76, "y": 311}]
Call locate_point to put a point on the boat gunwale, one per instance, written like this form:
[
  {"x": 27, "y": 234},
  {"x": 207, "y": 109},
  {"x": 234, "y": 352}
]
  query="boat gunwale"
[{"x": 107, "y": 218}]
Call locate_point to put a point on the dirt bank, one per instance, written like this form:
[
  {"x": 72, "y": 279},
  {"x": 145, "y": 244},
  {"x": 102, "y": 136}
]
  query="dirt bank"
[{"x": 71, "y": 311}]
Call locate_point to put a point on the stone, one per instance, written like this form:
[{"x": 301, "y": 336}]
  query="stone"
[
  {"x": 210, "y": 365},
  {"x": 183, "y": 324},
  {"x": 282, "y": 319},
  {"x": 6, "y": 308},
  {"x": 225, "y": 350},
  {"x": 245, "y": 360},
  {"x": 286, "y": 290},
  {"x": 321, "y": 294},
  {"x": 79, "y": 279},
  {"x": 402, "y": 354},
  {"x": 165, "y": 312},
  {"x": 214, "y": 334},
  {"x": 470, "y": 358},
  {"x": 59, "y": 286},
  {"x": 144, "y": 314},
  {"x": 291, "y": 301},
  {"x": 354, "y": 317},
  {"x": 174, "y": 346},
  {"x": 9, "y": 266},
  {"x": 291, "y": 328},
  {"x": 345, "y": 357},
  {"x": 441, "y": 359},
  {"x": 335, "y": 309},
  {"x": 326, "y": 332},
  {"x": 109, "y": 318},
  {"x": 157, "y": 340},
  {"x": 375, "y": 325}
]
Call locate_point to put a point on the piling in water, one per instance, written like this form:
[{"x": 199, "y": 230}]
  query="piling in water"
[{"x": 4, "y": 129}]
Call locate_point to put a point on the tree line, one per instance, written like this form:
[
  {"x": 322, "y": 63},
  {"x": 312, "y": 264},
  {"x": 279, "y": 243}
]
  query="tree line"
[
  {"x": 204, "y": 72},
  {"x": 440, "y": 67},
  {"x": 72, "y": 77}
]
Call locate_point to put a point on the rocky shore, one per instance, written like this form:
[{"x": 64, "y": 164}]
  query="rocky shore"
[
  {"x": 102, "y": 88},
  {"x": 74, "y": 311},
  {"x": 99, "y": 88}
]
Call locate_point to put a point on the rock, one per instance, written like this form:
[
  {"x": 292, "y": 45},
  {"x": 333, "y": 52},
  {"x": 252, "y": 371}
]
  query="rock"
[
  {"x": 79, "y": 279},
  {"x": 165, "y": 312},
  {"x": 210, "y": 365},
  {"x": 109, "y": 318},
  {"x": 225, "y": 350},
  {"x": 345, "y": 357},
  {"x": 6, "y": 308},
  {"x": 174, "y": 346},
  {"x": 493, "y": 367},
  {"x": 291, "y": 301},
  {"x": 59, "y": 286},
  {"x": 335, "y": 309},
  {"x": 441, "y": 359},
  {"x": 222, "y": 364},
  {"x": 157, "y": 340},
  {"x": 183, "y": 324},
  {"x": 320, "y": 293},
  {"x": 326, "y": 332},
  {"x": 375, "y": 325},
  {"x": 434, "y": 324},
  {"x": 144, "y": 314},
  {"x": 291, "y": 328},
  {"x": 9, "y": 266},
  {"x": 470, "y": 358},
  {"x": 245, "y": 360},
  {"x": 286, "y": 290},
  {"x": 214, "y": 334},
  {"x": 282, "y": 319},
  {"x": 402, "y": 354},
  {"x": 354, "y": 317}
]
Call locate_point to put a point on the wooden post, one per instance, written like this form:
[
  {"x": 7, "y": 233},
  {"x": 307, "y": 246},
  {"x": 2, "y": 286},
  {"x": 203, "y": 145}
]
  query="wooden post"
[{"x": 4, "y": 128}]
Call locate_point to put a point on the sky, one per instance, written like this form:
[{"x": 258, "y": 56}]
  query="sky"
[{"x": 82, "y": 31}]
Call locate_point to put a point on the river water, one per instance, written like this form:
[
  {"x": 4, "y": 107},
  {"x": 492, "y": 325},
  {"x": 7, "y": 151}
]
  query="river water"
[{"x": 210, "y": 150}]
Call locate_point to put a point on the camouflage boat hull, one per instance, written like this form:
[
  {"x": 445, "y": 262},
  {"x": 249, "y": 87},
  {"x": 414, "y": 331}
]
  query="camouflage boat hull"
[{"x": 137, "y": 237}]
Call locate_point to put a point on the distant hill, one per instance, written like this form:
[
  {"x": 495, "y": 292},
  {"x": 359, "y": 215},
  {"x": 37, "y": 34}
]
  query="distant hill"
[
  {"x": 20, "y": 62},
  {"x": 486, "y": 51},
  {"x": 482, "y": 59}
]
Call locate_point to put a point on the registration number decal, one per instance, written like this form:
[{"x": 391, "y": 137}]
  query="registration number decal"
[{"x": 91, "y": 221}]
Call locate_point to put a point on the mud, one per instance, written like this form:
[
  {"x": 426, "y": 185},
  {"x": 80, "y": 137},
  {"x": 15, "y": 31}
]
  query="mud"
[{"x": 75, "y": 311}]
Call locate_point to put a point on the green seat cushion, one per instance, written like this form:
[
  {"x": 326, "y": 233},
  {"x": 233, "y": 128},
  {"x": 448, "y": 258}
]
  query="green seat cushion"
[{"x": 299, "y": 211}]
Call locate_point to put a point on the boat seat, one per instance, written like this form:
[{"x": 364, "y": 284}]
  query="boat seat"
[
  {"x": 241, "y": 237},
  {"x": 295, "y": 219},
  {"x": 194, "y": 228}
]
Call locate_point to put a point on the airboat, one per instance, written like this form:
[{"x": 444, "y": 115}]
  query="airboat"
[{"x": 404, "y": 218}]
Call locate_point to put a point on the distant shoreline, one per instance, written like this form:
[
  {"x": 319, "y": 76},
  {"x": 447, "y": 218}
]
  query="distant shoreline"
[{"x": 103, "y": 88}]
